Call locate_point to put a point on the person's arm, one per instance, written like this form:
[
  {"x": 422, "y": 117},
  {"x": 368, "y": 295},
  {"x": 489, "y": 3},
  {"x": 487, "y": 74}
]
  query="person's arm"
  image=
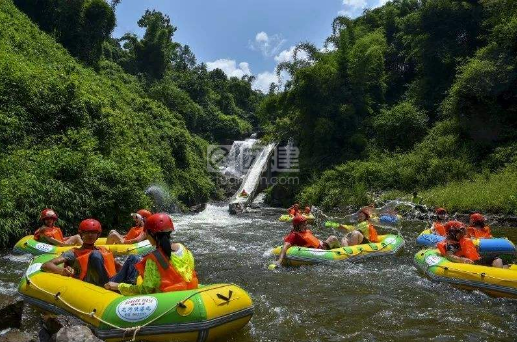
[
  {"x": 52, "y": 266},
  {"x": 282, "y": 253},
  {"x": 139, "y": 238},
  {"x": 152, "y": 280},
  {"x": 54, "y": 241},
  {"x": 454, "y": 258}
]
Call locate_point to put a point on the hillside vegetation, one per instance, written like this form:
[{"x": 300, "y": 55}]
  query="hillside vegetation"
[
  {"x": 411, "y": 96},
  {"x": 86, "y": 137}
]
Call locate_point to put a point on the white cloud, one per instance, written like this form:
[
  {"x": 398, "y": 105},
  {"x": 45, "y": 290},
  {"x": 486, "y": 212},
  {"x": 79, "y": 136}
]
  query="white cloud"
[
  {"x": 229, "y": 67},
  {"x": 288, "y": 55},
  {"x": 267, "y": 45},
  {"x": 261, "y": 37},
  {"x": 264, "y": 80},
  {"x": 354, "y": 8}
]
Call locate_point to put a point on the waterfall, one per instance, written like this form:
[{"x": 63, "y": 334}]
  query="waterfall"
[{"x": 240, "y": 158}]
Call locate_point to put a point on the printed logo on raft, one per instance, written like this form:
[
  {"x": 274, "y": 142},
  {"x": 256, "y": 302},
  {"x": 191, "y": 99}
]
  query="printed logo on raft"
[
  {"x": 136, "y": 309},
  {"x": 44, "y": 247}
]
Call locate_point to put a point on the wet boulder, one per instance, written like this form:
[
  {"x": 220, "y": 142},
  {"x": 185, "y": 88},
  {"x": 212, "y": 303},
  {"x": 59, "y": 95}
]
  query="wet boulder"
[
  {"x": 76, "y": 333},
  {"x": 15, "y": 335},
  {"x": 11, "y": 310}
]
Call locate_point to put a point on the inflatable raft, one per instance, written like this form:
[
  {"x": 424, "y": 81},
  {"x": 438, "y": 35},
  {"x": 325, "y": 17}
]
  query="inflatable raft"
[
  {"x": 295, "y": 256},
  {"x": 288, "y": 218},
  {"x": 204, "y": 314},
  {"x": 27, "y": 244},
  {"x": 497, "y": 282},
  {"x": 494, "y": 246}
]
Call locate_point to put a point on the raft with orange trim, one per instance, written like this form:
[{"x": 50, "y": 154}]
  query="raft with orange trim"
[
  {"x": 27, "y": 244},
  {"x": 387, "y": 245},
  {"x": 203, "y": 314},
  {"x": 498, "y": 282}
]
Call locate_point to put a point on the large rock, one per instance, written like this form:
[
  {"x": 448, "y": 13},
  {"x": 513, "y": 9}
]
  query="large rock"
[
  {"x": 76, "y": 333},
  {"x": 15, "y": 335},
  {"x": 11, "y": 310}
]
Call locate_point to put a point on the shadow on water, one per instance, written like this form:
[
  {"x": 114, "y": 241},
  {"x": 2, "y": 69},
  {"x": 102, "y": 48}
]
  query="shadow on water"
[{"x": 378, "y": 299}]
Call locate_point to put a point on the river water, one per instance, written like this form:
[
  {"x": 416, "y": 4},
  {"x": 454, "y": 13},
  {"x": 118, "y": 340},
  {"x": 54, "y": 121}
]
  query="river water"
[{"x": 378, "y": 299}]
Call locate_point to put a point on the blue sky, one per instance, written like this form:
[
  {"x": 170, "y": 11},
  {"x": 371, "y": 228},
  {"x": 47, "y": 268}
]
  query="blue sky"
[{"x": 244, "y": 36}]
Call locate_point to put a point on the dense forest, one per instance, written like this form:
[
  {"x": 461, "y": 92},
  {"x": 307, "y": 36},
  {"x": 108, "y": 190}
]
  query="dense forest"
[
  {"x": 413, "y": 96},
  {"x": 416, "y": 95},
  {"x": 88, "y": 122}
]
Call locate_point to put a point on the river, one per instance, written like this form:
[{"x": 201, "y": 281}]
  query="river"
[{"x": 378, "y": 299}]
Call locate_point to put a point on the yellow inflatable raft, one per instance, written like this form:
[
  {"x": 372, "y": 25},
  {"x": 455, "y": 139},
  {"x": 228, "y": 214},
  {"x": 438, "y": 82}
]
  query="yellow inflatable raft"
[
  {"x": 203, "y": 314},
  {"x": 27, "y": 244},
  {"x": 497, "y": 282}
]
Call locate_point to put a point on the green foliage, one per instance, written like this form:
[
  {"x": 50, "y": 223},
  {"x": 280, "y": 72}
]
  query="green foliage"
[
  {"x": 400, "y": 127},
  {"x": 80, "y": 25},
  {"x": 87, "y": 144},
  {"x": 492, "y": 193}
]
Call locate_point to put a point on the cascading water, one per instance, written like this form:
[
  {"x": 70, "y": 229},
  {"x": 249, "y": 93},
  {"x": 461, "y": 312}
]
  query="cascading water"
[{"x": 239, "y": 158}]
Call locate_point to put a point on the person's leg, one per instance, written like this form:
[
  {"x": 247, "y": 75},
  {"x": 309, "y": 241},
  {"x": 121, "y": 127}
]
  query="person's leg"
[
  {"x": 96, "y": 266},
  {"x": 498, "y": 262},
  {"x": 114, "y": 238},
  {"x": 333, "y": 242},
  {"x": 74, "y": 240},
  {"x": 128, "y": 272},
  {"x": 356, "y": 238}
]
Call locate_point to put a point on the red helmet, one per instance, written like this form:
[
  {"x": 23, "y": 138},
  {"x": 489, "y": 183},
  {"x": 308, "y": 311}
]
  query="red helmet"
[
  {"x": 298, "y": 220},
  {"x": 160, "y": 222},
  {"x": 477, "y": 218},
  {"x": 144, "y": 213},
  {"x": 90, "y": 225},
  {"x": 440, "y": 211},
  {"x": 48, "y": 214},
  {"x": 454, "y": 227}
]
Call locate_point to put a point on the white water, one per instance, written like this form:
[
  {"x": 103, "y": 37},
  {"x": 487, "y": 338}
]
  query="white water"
[{"x": 239, "y": 158}]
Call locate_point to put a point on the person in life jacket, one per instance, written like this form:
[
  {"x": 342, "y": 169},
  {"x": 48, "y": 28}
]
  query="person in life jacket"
[
  {"x": 135, "y": 234},
  {"x": 51, "y": 234},
  {"x": 457, "y": 247},
  {"x": 438, "y": 227},
  {"x": 478, "y": 229},
  {"x": 294, "y": 210},
  {"x": 362, "y": 232},
  {"x": 303, "y": 237},
  {"x": 92, "y": 264},
  {"x": 169, "y": 268}
]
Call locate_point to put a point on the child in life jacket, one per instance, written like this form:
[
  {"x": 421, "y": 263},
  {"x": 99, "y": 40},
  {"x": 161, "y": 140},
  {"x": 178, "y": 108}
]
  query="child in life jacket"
[
  {"x": 90, "y": 263},
  {"x": 51, "y": 234},
  {"x": 478, "y": 229},
  {"x": 135, "y": 234},
  {"x": 362, "y": 232},
  {"x": 438, "y": 226},
  {"x": 457, "y": 247},
  {"x": 294, "y": 210},
  {"x": 303, "y": 237},
  {"x": 169, "y": 268}
]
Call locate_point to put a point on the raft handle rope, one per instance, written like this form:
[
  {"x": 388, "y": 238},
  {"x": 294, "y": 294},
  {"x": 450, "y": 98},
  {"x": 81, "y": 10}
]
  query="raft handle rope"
[
  {"x": 136, "y": 329},
  {"x": 483, "y": 275}
]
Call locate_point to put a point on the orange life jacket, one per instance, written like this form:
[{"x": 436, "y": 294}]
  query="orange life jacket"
[
  {"x": 133, "y": 233},
  {"x": 368, "y": 231},
  {"x": 439, "y": 229},
  {"x": 467, "y": 249},
  {"x": 483, "y": 233},
  {"x": 83, "y": 255},
  {"x": 171, "y": 279},
  {"x": 54, "y": 232},
  {"x": 309, "y": 238},
  {"x": 293, "y": 212}
]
